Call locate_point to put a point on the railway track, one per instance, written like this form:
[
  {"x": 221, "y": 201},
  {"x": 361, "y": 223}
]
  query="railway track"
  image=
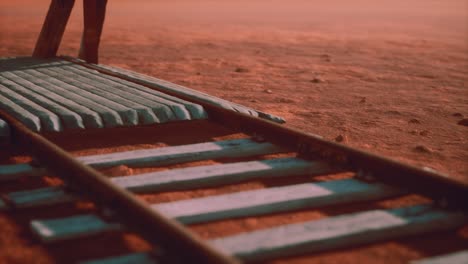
[
  {"x": 104, "y": 165},
  {"x": 182, "y": 195}
]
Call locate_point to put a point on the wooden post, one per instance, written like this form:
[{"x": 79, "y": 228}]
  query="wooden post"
[
  {"x": 94, "y": 13},
  {"x": 53, "y": 28}
]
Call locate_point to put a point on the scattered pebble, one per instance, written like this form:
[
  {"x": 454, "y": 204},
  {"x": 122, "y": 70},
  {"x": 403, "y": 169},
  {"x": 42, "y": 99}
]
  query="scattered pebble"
[
  {"x": 341, "y": 138},
  {"x": 198, "y": 73},
  {"x": 251, "y": 222},
  {"x": 424, "y": 133},
  {"x": 120, "y": 170},
  {"x": 420, "y": 133},
  {"x": 463, "y": 122},
  {"x": 430, "y": 169},
  {"x": 268, "y": 91},
  {"x": 241, "y": 70},
  {"x": 317, "y": 80},
  {"x": 422, "y": 149},
  {"x": 253, "y": 101},
  {"x": 457, "y": 115},
  {"x": 326, "y": 57},
  {"x": 343, "y": 128},
  {"x": 363, "y": 100},
  {"x": 393, "y": 112},
  {"x": 414, "y": 121},
  {"x": 286, "y": 100}
]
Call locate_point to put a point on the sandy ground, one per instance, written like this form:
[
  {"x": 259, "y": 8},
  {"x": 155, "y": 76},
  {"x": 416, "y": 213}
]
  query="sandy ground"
[{"x": 387, "y": 78}]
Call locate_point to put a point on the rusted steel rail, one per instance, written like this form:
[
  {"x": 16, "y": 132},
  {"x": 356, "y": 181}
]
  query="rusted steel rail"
[
  {"x": 446, "y": 190},
  {"x": 137, "y": 215}
]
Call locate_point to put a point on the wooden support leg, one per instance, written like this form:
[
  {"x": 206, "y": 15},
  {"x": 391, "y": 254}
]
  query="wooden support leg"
[
  {"x": 53, "y": 28},
  {"x": 94, "y": 13}
]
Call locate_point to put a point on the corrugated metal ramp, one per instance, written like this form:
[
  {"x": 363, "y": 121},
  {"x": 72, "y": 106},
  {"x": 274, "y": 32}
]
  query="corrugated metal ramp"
[{"x": 57, "y": 95}]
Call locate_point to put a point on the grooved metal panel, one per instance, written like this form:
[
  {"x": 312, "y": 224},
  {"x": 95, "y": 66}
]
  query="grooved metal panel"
[
  {"x": 56, "y": 95},
  {"x": 181, "y": 90}
]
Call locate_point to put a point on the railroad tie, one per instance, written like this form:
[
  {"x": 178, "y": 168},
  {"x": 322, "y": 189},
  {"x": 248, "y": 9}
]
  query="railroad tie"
[
  {"x": 337, "y": 232},
  {"x": 274, "y": 200},
  {"x": 72, "y": 227},
  {"x": 236, "y": 148},
  {"x": 203, "y": 176},
  {"x": 140, "y": 258},
  {"x": 39, "y": 197},
  {"x": 16, "y": 171}
]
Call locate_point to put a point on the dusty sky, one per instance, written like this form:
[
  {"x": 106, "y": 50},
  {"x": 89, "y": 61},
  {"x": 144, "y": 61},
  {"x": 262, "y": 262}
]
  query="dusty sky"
[{"x": 431, "y": 18}]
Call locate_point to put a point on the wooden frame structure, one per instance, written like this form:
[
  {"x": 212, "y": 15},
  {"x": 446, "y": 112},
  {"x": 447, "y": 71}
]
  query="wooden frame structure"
[{"x": 54, "y": 26}]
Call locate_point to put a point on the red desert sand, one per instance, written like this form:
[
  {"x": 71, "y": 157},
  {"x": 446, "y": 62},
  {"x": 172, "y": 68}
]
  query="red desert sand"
[{"x": 389, "y": 78}]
